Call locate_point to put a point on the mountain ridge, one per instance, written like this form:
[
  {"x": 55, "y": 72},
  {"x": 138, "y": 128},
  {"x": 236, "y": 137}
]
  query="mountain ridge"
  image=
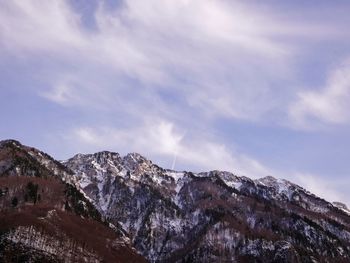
[
  {"x": 46, "y": 218},
  {"x": 221, "y": 196},
  {"x": 172, "y": 216},
  {"x": 267, "y": 180}
]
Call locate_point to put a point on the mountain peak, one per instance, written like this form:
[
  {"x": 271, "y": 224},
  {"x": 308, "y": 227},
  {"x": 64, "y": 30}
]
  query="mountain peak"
[
  {"x": 173, "y": 215},
  {"x": 40, "y": 207},
  {"x": 211, "y": 216},
  {"x": 10, "y": 142},
  {"x": 136, "y": 157}
]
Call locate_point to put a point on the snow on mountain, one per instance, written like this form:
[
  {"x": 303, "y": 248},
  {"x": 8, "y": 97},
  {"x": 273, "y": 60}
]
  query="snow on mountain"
[
  {"x": 215, "y": 216},
  {"x": 45, "y": 218},
  {"x": 342, "y": 207},
  {"x": 166, "y": 215}
]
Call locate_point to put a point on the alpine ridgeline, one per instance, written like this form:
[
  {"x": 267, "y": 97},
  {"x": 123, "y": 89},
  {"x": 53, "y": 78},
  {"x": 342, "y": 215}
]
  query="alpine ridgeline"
[
  {"x": 128, "y": 205},
  {"x": 216, "y": 216},
  {"x": 45, "y": 218}
]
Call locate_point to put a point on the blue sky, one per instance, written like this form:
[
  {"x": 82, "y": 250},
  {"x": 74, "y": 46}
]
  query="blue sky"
[{"x": 256, "y": 88}]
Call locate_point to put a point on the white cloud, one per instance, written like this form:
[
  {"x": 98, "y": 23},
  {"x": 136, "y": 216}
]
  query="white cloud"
[
  {"x": 322, "y": 187},
  {"x": 326, "y": 106},
  {"x": 38, "y": 26},
  {"x": 213, "y": 47},
  {"x": 220, "y": 55},
  {"x": 153, "y": 137},
  {"x": 61, "y": 93},
  {"x": 161, "y": 140}
]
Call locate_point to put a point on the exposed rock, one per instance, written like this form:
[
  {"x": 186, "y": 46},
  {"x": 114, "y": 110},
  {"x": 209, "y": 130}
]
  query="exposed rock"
[{"x": 217, "y": 216}]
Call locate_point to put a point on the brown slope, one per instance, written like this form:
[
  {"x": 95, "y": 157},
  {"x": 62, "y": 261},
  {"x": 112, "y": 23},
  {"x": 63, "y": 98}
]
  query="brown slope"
[{"x": 43, "y": 219}]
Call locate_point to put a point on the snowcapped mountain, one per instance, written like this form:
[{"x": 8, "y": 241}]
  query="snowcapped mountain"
[
  {"x": 104, "y": 207},
  {"x": 173, "y": 216},
  {"x": 45, "y": 218}
]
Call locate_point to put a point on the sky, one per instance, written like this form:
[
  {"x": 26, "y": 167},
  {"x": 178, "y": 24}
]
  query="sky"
[{"x": 256, "y": 88}]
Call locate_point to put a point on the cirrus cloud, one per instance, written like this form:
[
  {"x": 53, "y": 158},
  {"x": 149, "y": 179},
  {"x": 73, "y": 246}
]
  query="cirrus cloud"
[
  {"x": 325, "y": 106},
  {"x": 140, "y": 75},
  {"x": 162, "y": 141}
]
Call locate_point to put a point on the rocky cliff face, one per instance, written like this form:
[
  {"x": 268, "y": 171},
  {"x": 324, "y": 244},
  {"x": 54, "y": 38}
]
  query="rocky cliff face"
[
  {"x": 45, "y": 218},
  {"x": 217, "y": 216}
]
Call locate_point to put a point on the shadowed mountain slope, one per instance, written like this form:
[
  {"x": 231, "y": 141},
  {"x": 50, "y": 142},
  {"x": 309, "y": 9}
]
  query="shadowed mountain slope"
[{"x": 45, "y": 218}]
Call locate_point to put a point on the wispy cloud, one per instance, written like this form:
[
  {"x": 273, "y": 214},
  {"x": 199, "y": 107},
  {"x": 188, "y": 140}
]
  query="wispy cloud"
[
  {"x": 144, "y": 72},
  {"x": 207, "y": 51},
  {"x": 224, "y": 57},
  {"x": 162, "y": 139},
  {"x": 316, "y": 108},
  {"x": 331, "y": 189}
]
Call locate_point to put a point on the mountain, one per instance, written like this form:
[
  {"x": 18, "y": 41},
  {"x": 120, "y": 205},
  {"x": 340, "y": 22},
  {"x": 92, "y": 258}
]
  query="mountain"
[
  {"x": 45, "y": 218},
  {"x": 216, "y": 216},
  {"x": 104, "y": 207}
]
